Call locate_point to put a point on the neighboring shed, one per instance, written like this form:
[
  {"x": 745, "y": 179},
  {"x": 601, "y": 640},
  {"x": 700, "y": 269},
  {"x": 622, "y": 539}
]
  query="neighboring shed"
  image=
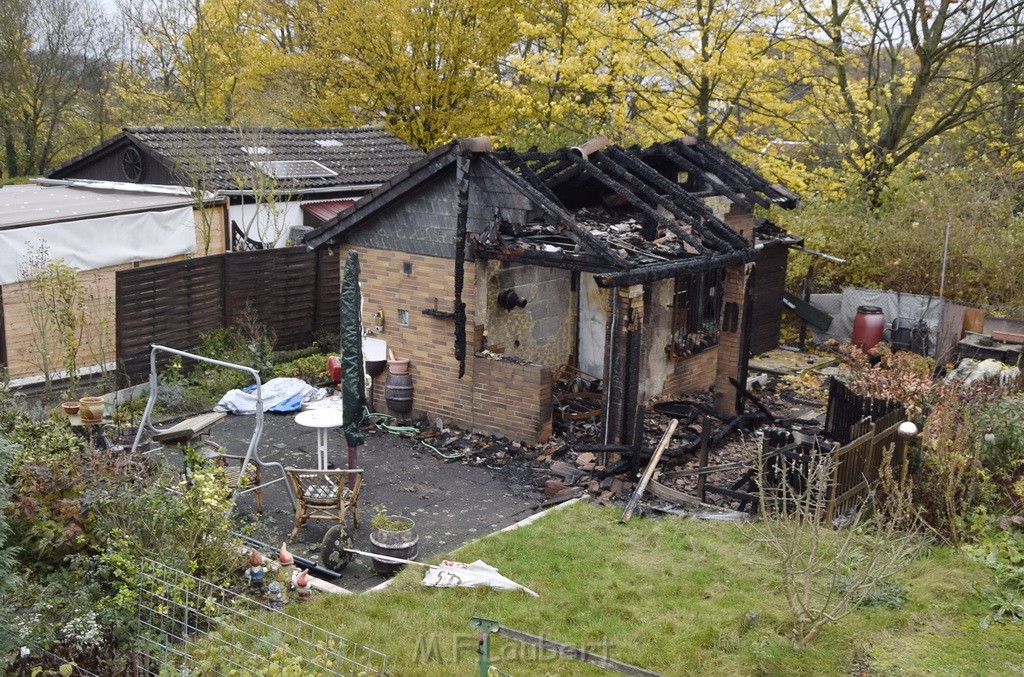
[
  {"x": 636, "y": 265},
  {"x": 267, "y": 173},
  {"x": 97, "y": 228}
]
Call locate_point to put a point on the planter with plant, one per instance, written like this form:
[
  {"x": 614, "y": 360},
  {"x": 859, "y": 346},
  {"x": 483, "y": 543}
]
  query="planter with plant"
[{"x": 392, "y": 536}]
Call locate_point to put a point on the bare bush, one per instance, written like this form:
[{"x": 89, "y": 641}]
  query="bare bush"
[{"x": 825, "y": 573}]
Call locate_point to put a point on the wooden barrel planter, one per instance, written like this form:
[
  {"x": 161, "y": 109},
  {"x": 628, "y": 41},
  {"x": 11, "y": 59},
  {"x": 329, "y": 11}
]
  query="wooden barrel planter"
[
  {"x": 398, "y": 392},
  {"x": 393, "y": 541}
]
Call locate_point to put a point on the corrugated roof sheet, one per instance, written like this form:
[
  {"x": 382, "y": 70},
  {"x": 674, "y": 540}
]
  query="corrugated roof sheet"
[{"x": 325, "y": 211}]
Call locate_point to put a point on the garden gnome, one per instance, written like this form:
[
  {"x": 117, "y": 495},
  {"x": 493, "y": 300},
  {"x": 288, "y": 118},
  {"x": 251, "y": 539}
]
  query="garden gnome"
[
  {"x": 274, "y": 594},
  {"x": 303, "y": 586},
  {"x": 287, "y": 562},
  {"x": 256, "y": 569}
]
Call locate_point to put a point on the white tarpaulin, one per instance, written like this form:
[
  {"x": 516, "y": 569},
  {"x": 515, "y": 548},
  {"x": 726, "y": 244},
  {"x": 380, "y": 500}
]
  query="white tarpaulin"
[
  {"x": 97, "y": 243},
  {"x": 450, "y": 574},
  {"x": 279, "y": 395}
]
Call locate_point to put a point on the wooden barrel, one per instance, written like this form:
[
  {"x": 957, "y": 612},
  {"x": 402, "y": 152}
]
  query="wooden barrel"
[
  {"x": 403, "y": 544},
  {"x": 398, "y": 392}
]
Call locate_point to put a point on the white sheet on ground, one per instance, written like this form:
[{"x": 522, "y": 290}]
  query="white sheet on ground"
[
  {"x": 279, "y": 394},
  {"x": 450, "y": 574}
]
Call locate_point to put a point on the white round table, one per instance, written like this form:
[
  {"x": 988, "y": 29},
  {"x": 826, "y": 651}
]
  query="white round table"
[{"x": 323, "y": 420}]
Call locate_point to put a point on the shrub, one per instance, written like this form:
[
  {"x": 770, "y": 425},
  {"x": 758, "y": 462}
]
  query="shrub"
[
  {"x": 825, "y": 574},
  {"x": 55, "y": 503},
  {"x": 311, "y": 369},
  {"x": 950, "y": 476}
]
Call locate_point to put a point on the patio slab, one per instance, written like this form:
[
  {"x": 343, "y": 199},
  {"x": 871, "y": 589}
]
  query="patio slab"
[{"x": 452, "y": 503}]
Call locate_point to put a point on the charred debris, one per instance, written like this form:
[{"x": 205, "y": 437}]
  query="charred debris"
[{"x": 707, "y": 464}]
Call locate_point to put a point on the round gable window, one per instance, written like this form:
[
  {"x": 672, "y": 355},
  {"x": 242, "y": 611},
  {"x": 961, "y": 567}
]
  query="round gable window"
[{"x": 131, "y": 164}]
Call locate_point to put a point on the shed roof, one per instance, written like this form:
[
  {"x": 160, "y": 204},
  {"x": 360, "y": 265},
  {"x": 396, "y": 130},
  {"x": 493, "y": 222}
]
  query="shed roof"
[
  {"x": 36, "y": 204},
  {"x": 241, "y": 158}
]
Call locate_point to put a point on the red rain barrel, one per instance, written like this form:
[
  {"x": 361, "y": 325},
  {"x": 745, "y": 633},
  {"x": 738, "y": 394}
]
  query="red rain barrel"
[
  {"x": 334, "y": 368},
  {"x": 868, "y": 327}
]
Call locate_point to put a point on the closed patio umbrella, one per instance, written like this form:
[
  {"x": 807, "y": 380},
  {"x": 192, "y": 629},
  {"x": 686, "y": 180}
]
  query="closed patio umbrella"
[{"x": 353, "y": 398}]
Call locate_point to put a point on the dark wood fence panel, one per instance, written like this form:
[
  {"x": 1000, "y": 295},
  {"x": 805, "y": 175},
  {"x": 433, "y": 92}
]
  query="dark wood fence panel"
[
  {"x": 846, "y": 409},
  {"x": 3, "y": 337},
  {"x": 170, "y": 303},
  {"x": 292, "y": 291}
]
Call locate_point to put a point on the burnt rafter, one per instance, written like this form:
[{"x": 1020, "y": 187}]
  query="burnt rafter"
[
  {"x": 696, "y": 212},
  {"x": 605, "y": 161},
  {"x": 592, "y": 170},
  {"x": 670, "y": 153},
  {"x": 721, "y": 169},
  {"x": 566, "y": 220},
  {"x": 529, "y": 175},
  {"x": 696, "y": 264},
  {"x": 752, "y": 178}
]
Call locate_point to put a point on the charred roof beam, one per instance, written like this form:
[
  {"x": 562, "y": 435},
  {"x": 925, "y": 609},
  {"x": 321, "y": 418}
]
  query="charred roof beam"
[
  {"x": 704, "y": 222},
  {"x": 697, "y": 264},
  {"x": 704, "y": 216},
  {"x": 771, "y": 191},
  {"x": 592, "y": 170},
  {"x": 721, "y": 170},
  {"x": 669, "y": 153},
  {"x": 556, "y": 210}
]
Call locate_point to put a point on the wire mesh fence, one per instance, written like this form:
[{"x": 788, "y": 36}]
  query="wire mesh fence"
[{"x": 189, "y": 626}]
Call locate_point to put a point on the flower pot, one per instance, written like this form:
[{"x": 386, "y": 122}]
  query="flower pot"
[
  {"x": 399, "y": 365},
  {"x": 91, "y": 409},
  {"x": 402, "y": 544},
  {"x": 70, "y": 407}
]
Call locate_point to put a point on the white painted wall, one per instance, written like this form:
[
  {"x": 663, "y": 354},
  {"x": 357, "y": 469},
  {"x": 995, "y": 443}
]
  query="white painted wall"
[
  {"x": 264, "y": 224},
  {"x": 593, "y": 313}
]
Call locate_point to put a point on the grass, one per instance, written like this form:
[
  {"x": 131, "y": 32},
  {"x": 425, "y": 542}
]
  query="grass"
[{"x": 679, "y": 597}]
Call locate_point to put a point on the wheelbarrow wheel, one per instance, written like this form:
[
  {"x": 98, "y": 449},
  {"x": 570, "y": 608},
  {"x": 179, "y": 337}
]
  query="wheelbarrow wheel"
[{"x": 333, "y": 553}]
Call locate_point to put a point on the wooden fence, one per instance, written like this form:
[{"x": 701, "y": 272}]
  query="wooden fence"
[
  {"x": 292, "y": 291},
  {"x": 857, "y": 464},
  {"x": 846, "y": 409}
]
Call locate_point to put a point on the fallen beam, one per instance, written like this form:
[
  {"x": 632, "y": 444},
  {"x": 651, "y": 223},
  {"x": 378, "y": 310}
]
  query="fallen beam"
[{"x": 634, "y": 500}]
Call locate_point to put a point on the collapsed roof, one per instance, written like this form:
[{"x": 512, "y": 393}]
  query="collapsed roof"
[{"x": 638, "y": 214}]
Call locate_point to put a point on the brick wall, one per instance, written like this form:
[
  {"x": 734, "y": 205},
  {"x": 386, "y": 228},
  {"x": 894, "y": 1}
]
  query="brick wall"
[
  {"x": 429, "y": 342},
  {"x": 512, "y": 399},
  {"x": 504, "y": 398},
  {"x": 730, "y": 343},
  {"x": 693, "y": 373}
]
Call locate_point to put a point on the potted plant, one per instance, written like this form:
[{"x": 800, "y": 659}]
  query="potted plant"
[{"x": 393, "y": 536}]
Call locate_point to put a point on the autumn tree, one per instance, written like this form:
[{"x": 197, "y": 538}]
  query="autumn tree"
[
  {"x": 420, "y": 67},
  {"x": 54, "y": 55},
  {"x": 894, "y": 76}
]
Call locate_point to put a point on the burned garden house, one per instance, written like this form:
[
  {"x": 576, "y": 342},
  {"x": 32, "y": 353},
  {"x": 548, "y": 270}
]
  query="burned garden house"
[{"x": 646, "y": 268}]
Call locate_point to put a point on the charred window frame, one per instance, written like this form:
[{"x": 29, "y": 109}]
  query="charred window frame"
[{"x": 696, "y": 312}]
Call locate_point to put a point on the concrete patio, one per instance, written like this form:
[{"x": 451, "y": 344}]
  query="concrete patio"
[{"x": 451, "y": 503}]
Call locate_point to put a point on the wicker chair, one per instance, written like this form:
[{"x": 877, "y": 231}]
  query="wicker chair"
[
  {"x": 232, "y": 466},
  {"x": 323, "y": 494}
]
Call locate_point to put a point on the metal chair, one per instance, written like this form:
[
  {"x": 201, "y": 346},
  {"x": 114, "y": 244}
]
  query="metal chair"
[{"x": 323, "y": 494}]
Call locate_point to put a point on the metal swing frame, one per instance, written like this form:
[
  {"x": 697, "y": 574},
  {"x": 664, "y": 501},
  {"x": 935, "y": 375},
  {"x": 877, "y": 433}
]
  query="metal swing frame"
[{"x": 251, "y": 454}]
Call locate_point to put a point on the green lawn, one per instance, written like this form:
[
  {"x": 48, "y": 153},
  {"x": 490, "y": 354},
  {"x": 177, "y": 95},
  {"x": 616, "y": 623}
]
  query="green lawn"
[{"x": 675, "y": 596}]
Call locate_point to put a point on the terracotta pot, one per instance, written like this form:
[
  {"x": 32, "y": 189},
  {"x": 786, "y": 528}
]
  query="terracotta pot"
[
  {"x": 91, "y": 409},
  {"x": 399, "y": 365},
  {"x": 70, "y": 407}
]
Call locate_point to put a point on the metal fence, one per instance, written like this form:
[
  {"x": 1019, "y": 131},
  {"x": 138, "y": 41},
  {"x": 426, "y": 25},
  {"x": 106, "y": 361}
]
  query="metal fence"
[{"x": 189, "y": 626}]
